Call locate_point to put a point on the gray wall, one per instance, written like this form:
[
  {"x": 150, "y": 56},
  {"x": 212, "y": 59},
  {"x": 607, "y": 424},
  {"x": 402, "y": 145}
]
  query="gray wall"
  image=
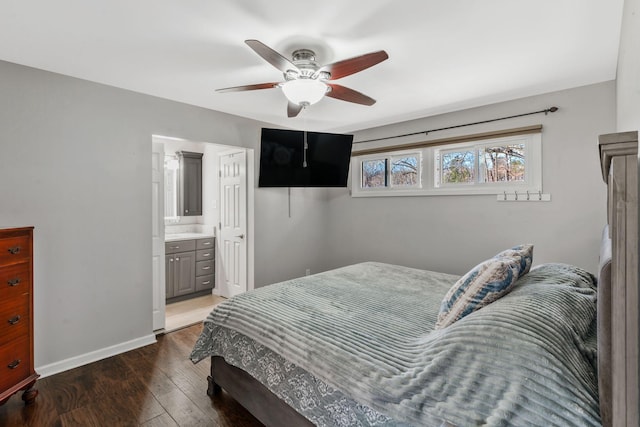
[
  {"x": 628, "y": 78},
  {"x": 453, "y": 233},
  {"x": 291, "y": 244},
  {"x": 75, "y": 163}
]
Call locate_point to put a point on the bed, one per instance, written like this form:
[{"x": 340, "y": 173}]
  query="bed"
[{"x": 369, "y": 344}]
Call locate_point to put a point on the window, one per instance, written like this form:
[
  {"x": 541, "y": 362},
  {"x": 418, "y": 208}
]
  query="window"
[
  {"x": 457, "y": 167},
  {"x": 490, "y": 166},
  {"x": 404, "y": 170},
  {"x": 503, "y": 163},
  {"x": 397, "y": 170},
  {"x": 374, "y": 173}
]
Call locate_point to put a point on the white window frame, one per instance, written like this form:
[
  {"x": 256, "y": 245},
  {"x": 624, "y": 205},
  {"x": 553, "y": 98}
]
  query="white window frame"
[{"x": 428, "y": 173}]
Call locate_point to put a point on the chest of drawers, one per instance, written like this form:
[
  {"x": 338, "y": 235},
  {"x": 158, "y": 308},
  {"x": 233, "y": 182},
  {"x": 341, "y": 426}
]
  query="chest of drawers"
[{"x": 16, "y": 314}]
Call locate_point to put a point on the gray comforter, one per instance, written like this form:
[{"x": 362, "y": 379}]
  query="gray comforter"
[{"x": 367, "y": 331}]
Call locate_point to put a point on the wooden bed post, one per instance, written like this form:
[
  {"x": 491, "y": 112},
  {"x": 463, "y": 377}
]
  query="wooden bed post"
[
  {"x": 619, "y": 161},
  {"x": 212, "y": 388}
]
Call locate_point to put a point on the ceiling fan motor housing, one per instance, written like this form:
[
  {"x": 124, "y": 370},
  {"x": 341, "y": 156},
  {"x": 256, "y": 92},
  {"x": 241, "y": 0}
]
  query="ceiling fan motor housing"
[{"x": 305, "y": 60}]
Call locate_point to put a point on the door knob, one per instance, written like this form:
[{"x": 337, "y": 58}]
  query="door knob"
[{"x": 241, "y": 236}]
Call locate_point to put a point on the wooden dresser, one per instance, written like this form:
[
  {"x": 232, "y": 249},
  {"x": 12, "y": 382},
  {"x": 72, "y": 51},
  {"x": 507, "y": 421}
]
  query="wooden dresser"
[{"x": 16, "y": 314}]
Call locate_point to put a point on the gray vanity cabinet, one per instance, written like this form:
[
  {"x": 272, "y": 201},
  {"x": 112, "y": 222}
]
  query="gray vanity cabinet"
[
  {"x": 180, "y": 274},
  {"x": 180, "y": 268},
  {"x": 205, "y": 264},
  {"x": 184, "y": 268},
  {"x": 190, "y": 183},
  {"x": 189, "y": 266}
]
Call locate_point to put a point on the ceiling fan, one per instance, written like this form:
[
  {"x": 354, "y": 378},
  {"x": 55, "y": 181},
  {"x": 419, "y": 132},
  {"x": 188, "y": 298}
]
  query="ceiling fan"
[{"x": 305, "y": 82}]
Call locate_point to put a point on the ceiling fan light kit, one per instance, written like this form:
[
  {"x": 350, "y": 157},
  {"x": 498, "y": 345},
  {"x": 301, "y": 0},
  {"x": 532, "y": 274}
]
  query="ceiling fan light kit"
[
  {"x": 304, "y": 92},
  {"x": 306, "y": 83}
]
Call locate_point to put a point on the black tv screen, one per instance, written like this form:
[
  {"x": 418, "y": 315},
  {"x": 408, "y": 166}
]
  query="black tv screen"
[{"x": 284, "y": 162}]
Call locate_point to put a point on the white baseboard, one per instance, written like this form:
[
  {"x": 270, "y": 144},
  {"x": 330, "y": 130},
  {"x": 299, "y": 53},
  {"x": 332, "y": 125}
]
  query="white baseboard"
[{"x": 94, "y": 356}]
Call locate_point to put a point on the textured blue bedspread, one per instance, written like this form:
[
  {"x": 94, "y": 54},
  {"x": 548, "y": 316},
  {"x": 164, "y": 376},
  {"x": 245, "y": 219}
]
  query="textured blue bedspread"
[{"x": 366, "y": 332}]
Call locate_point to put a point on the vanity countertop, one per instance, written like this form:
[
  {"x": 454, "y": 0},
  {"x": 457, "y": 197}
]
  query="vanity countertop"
[{"x": 186, "y": 236}]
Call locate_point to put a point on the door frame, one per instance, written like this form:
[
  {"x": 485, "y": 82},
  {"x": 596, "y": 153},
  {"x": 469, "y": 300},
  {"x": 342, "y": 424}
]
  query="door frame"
[
  {"x": 250, "y": 191},
  {"x": 158, "y": 279}
]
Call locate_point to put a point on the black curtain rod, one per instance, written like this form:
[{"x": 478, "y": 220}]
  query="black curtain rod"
[{"x": 427, "y": 132}]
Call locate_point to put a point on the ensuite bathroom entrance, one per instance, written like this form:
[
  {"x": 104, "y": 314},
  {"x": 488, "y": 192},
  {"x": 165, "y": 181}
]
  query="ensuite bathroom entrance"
[{"x": 202, "y": 228}]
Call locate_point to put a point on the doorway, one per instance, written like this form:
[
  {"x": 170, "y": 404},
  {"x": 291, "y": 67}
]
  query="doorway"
[{"x": 219, "y": 206}]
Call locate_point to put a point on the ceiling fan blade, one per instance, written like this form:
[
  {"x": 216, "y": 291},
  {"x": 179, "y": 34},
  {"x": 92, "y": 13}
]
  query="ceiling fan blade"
[
  {"x": 293, "y": 109},
  {"x": 271, "y": 56},
  {"x": 345, "y": 94},
  {"x": 353, "y": 65},
  {"x": 249, "y": 87}
]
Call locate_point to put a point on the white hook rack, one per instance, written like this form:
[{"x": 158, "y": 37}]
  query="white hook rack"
[{"x": 526, "y": 196}]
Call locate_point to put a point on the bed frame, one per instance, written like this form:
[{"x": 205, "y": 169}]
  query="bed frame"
[{"x": 618, "y": 301}]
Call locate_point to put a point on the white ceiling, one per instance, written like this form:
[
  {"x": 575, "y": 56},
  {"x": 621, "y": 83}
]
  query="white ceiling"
[{"x": 443, "y": 55}]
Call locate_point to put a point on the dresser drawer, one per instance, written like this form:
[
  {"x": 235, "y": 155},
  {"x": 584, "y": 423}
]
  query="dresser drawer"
[
  {"x": 14, "y": 280},
  {"x": 15, "y": 362},
  {"x": 179, "y": 246},
  {"x": 205, "y": 243},
  {"x": 14, "y": 318},
  {"x": 204, "y": 267},
  {"x": 204, "y": 254},
  {"x": 15, "y": 249}
]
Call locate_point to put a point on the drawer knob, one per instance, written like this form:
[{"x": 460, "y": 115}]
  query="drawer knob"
[
  {"x": 207, "y": 282},
  {"x": 206, "y": 243},
  {"x": 206, "y": 268},
  {"x": 14, "y": 364},
  {"x": 207, "y": 254},
  {"x": 14, "y": 282},
  {"x": 14, "y": 250},
  {"x": 14, "y": 320}
]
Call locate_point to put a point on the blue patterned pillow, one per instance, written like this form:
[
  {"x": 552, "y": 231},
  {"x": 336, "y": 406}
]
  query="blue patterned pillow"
[
  {"x": 522, "y": 252},
  {"x": 485, "y": 283}
]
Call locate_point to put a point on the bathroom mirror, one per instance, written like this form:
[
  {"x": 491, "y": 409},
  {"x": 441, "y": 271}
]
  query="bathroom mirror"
[{"x": 171, "y": 166}]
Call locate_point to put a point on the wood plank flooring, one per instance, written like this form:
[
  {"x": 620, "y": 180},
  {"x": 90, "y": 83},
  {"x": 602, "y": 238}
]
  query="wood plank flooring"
[{"x": 152, "y": 386}]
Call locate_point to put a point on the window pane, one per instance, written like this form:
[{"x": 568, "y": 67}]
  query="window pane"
[
  {"x": 458, "y": 167},
  {"x": 404, "y": 171},
  {"x": 503, "y": 163},
  {"x": 374, "y": 173}
]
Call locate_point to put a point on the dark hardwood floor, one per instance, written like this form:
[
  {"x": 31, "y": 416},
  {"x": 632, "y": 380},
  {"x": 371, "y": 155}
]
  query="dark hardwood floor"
[{"x": 156, "y": 385}]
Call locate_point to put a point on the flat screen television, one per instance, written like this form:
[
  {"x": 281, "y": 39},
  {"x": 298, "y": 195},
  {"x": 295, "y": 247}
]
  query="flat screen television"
[{"x": 285, "y": 162}]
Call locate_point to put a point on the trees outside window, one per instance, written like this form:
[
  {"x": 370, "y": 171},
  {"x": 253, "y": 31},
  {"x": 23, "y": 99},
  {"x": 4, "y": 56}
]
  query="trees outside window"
[{"x": 491, "y": 166}]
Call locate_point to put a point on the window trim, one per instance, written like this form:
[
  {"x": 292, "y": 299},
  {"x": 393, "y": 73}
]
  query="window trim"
[{"x": 427, "y": 172}]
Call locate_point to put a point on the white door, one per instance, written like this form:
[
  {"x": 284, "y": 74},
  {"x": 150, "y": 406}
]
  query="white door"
[
  {"x": 157, "y": 234},
  {"x": 232, "y": 236}
]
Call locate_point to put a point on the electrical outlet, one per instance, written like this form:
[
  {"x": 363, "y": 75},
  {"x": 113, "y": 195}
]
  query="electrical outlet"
[{"x": 307, "y": 272}]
